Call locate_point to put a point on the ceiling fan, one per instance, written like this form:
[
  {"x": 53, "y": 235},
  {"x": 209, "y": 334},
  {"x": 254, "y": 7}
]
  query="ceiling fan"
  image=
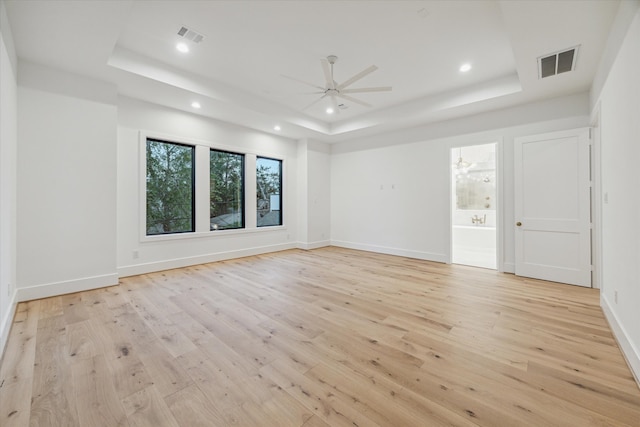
[{"x": 333, "y": 90}]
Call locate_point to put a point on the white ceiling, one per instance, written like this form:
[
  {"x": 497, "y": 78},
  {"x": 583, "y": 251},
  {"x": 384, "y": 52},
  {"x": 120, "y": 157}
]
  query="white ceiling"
[{"x": 236, "y": 72}]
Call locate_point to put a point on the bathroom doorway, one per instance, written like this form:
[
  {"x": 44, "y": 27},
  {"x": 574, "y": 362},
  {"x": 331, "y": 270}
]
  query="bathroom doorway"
[{"x": 473, "y": 209}]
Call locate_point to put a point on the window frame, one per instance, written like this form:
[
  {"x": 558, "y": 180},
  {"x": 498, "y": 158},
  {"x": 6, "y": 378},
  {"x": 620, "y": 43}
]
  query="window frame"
[
  {"x": 243, "y": 196},
  {"x": 202, "y": 224},
  {"x": 280, "y": 186},
  {"x": 193, "y": 186}
]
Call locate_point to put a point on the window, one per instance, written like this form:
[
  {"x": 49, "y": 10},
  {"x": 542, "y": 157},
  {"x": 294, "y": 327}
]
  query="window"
[
  {"x": 226, "y": 175},
  {"x": 170, "y": 188},
  {"x": 269, "y": 191}
]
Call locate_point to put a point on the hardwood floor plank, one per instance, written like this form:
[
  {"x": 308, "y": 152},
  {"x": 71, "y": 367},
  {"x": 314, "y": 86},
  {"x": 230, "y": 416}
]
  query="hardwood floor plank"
[
  {"x": 212, "y": 380},
  {"x": 53, "y": 401},
  {"x": 373, "y": 396},
  {"x": 128, "y": 373},
  {"x": 249, "y": 345},
  {"x": 17, "y": 362},
  {"x": 315, "y": 421},
  {"x": 193, "y": 408},
  {"x": 73, "y": 308},
  {"x": 147, "y": 408},
  {"x": 97, "y": 400},
  {"x": 131, "y": 325},
  {"x": 316, "y": 397},
  {"x": 284, "y": 410},
  {"x": 587, "y": 393},
  {"x": 167, "y": 373},
  {"x": 298, "y": 351},
  {"x": 113, "y": 295},
  {"x": 329, "y": 337},
  {"x": 51, "y": 307},
  {"x": 168, "y": 333},
  {"x": 81, "y": 343},
  {"x": 15, "y": 410}
]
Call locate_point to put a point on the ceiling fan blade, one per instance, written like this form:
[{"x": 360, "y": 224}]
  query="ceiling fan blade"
[
  {"x": 327, "y": 74},
  {"x": 352, "y": 99},
  {"x": 315, "y": 102},
  {"x": 367, "y": 89},
  {"x": 303, "y": 82},
  {"x": 357, "y": 77}
]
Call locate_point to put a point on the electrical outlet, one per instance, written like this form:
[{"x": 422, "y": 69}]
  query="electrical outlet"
[
  {"x": 135, "y": 254},
  {"x": 615, "y": 296}
]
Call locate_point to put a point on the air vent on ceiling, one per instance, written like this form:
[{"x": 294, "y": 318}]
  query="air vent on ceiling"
[
  {"x": 190, "y": 34},
  {"x": 556, "y": 63}
]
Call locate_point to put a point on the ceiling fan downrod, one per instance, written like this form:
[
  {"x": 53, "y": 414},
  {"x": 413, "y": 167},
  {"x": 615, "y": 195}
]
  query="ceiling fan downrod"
[{"x": 332, "y": 60}]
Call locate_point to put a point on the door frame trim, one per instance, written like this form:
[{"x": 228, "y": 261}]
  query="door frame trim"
[{"x": 596, "y": 200}]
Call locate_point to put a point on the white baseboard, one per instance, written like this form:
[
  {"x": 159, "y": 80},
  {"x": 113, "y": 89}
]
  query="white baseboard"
[
  {"x": 6, "y": 322},
  {"x": 313, "y": 245},
  {"x": 427, "y": 256},
  {"x": 66, "y": 287},
  {"x": 629, "y": 351},
  {"x": 509, "y": 267},
  {"x": 134, "y": 270}
]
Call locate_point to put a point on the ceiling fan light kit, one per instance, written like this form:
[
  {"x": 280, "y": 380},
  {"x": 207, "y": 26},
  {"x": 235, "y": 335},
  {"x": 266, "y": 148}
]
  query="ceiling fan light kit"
[{"x": 333, "y": 90}]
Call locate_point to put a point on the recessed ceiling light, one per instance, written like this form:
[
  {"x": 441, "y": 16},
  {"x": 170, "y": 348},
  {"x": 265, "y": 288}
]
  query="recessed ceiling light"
[
  {"x": 276, "y": 127},
  {"x": 182, "y": 47},
  {"x": 465, "y": 67},
  {"x": 329, "y": 110},
  {"x": 195, "y": 104}
]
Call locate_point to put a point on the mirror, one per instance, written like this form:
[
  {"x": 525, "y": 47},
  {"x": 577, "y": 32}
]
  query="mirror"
[
  {"x": 475, "y": 190},
  {"x": 473, "y": 172}
]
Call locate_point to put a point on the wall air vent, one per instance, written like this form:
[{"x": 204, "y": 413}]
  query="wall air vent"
[
  {"x": 556, "y": 63},
  {"x": 190, "y": 34}
]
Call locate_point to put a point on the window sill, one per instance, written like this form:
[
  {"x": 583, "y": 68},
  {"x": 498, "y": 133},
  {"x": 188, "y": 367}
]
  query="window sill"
[{"x": 210, "y": 234}]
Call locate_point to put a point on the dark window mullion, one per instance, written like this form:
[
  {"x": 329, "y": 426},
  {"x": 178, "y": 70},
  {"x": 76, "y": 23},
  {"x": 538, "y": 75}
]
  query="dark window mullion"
[
  {"x": 268, "y": 184},
  {"x": 164, "y": 176},
  {"x": 229, "y": 185}
]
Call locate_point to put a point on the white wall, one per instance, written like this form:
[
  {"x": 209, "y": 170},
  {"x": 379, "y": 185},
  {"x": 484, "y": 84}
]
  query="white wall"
[
  {"x": 66, "y": 183},
  {"x": 395, "y": 196},
  {"x": 8, "y": 149},
  {"x": 619, "y": 104},
  {"x": 314, "y": 169},
  {"x": 138, "y": 254},
  {"x": 391, "y": 200}
]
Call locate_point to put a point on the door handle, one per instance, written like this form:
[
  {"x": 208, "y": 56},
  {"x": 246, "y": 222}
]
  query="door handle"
[{"x": 518, "y": 223}]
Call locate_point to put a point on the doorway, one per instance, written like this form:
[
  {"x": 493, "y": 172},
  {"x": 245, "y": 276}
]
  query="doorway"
[{"x": 473, "y": 205}]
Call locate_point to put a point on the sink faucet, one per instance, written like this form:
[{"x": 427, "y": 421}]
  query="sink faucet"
[{"x": 479, "y": 220}]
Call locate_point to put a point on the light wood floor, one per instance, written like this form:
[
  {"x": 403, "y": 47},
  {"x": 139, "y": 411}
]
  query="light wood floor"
[{"x": 330, "y": 337}]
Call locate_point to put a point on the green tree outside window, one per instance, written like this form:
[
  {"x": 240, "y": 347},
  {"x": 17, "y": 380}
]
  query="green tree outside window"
[
  {"x": 226, "y": 186},
  {"x": 170, "y": 188}
]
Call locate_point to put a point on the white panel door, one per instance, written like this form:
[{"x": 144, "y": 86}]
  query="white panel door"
[{"x": 552, "y": 207}]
